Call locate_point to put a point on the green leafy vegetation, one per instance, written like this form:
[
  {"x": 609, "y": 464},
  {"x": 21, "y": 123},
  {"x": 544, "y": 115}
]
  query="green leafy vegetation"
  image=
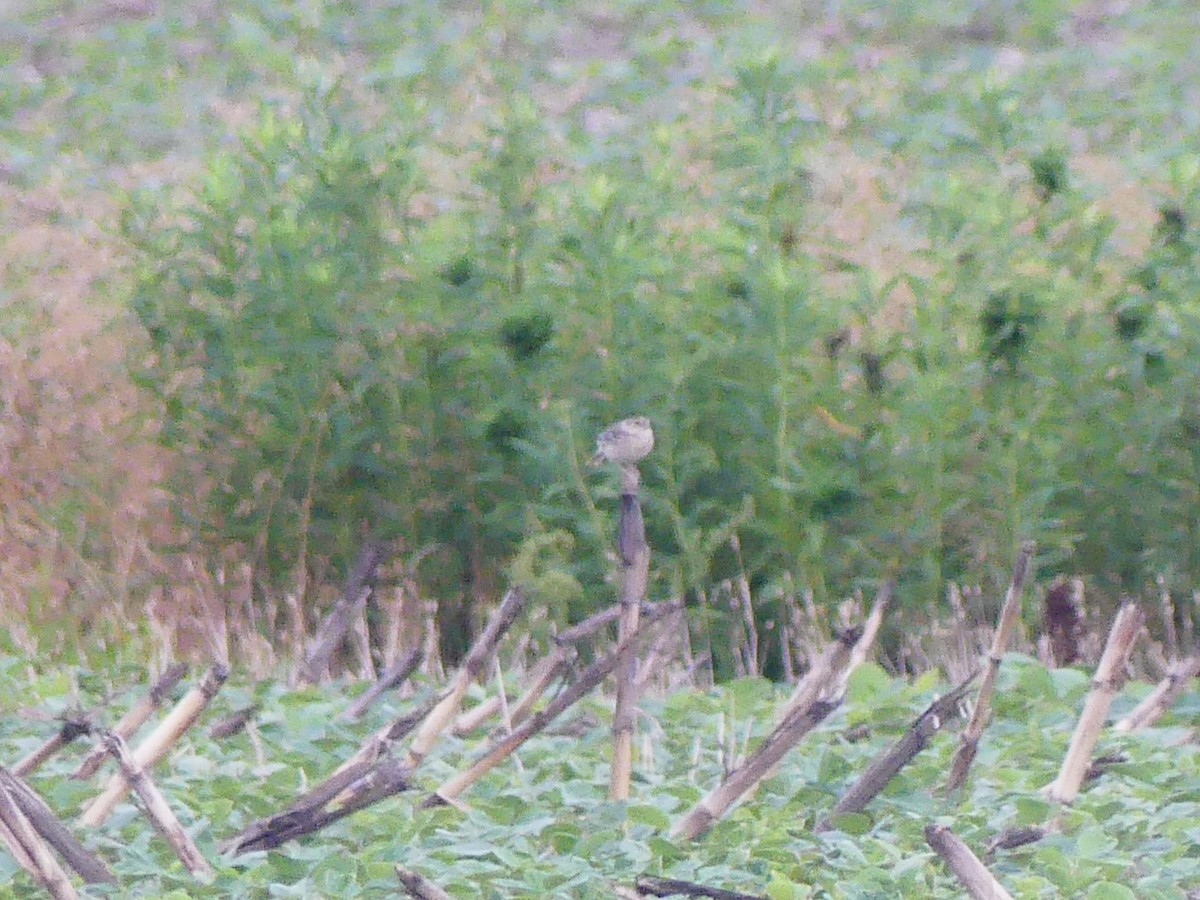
[
  {"x": 546, "y": 828},
  {"x": 896, "y": 291},
  {"x": 899, "y": 286},
  {"x": 269, "y": 314}
]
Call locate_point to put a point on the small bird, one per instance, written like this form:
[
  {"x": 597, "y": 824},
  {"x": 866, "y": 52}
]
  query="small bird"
[{"x": 626, "y": 443}]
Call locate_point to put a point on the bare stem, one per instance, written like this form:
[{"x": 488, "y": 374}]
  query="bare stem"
[{"x": 1009, "y": 615}]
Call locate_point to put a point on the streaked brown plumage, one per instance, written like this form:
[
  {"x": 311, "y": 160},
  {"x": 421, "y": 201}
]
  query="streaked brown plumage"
[{"x": 625, "y": 443}]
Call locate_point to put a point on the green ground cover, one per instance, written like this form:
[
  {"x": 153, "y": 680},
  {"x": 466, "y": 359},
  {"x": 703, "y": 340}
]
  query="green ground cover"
[{"x": 545, "y": 828}]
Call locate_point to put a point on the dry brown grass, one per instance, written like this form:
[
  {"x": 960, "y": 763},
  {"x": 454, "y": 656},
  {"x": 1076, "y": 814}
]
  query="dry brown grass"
[{"x": 79, "y": 469}]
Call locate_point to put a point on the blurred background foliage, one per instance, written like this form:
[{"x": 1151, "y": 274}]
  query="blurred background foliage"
[{"x": 877, "y": 289}]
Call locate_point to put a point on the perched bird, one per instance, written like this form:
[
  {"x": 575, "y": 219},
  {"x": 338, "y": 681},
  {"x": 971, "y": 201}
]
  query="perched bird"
[{"x": 625, "y": 443}]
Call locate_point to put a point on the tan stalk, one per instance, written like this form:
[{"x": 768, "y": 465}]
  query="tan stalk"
[
  {"x": 746, "y": 604},
  {"x": 785, "y": 653},
  {"x": 498, "y": 702},
  {"x": 506, "y": 721},
  {"x": 345, "y": 792},
  {"x": 1110, "y": 675},
  {"x": 296, "y": 635},
  {"x": 560, "y": 662},
  {"x": 18, "y": 852},
  {"x": 1152, "y": 708},
  {"x": 419, "y": 887},
  {"x": 872, "y": 624},
  {"x": 159, "y": 811},
  {"x": 73, "y": 727},
  {"x": 472, "y": 668},
  {"x": 971, "y": 873},
  {"x": 360, "y": 638},
  {"x": 735, "y": 635},
  {"x": 884, "y": 767},
  {"x": 134, "y": 718},
  {"x": 581, "y": 631},
  {"x": 1188, "y": 636},
  {"x": 392, "y": 677},
  {"x": 339, "y": 621},
  {"x": 662, "y": 648},
  {"x": 476, "y": 716},
  {"x": 1010, "y": 614},
  {"x": 706, "y": 635},
  {"x": 157, "y": 743},
  {"x": 1168, "y": 617},
  {"x": 90, "y": 867},
  {"x": 431, "y": 648},
  {"x": 380, "y": 744},
  {"x": 321, "y": 422},
  {"x": 1020, "y": 836},
  {"x": 961, "y": 630},
  {"x": 815, "y": 679},
  {"x": 504, "y": 746},
  {"x": 31, "y": 852},
  {"x": 650, "y": 886},
  {"x": 798, "y": 720},
  {"x": 546, "y": 670},
  {"x": 234, "y": 723},
  {"x": 635, "y": 561}
]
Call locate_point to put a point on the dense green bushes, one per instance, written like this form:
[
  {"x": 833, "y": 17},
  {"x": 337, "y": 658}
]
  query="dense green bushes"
[{"x": 364, "y": 319}]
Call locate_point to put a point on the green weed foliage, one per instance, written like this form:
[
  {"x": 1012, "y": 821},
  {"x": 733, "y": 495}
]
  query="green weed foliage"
[
  {"x": 546, "y": 828},
  {"x": 420, "y": 254},
  {"x": 271, "y": 316}
]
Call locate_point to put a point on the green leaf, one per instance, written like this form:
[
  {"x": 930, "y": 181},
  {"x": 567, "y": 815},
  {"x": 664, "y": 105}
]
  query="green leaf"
[
  {"x": 866, "y": 682},
  {"x": 643, "y": 814},
  {"x": 781, "y": 888},
  {"x": 1094, "y": 843},
  {"x": 1107, "y": 890},
  {"x": 853, "y": 823}
]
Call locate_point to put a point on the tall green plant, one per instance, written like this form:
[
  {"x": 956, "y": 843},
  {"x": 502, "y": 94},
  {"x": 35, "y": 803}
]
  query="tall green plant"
[{"x": 276, "y": 327}]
